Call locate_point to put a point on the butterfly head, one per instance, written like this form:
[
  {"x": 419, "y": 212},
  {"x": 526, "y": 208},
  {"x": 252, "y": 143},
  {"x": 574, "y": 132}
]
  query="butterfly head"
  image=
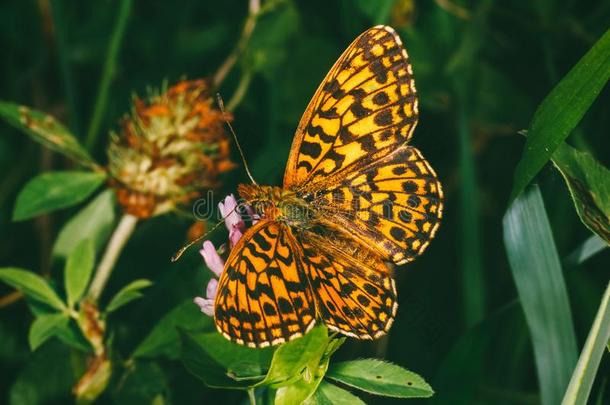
[{"x": 276, "y": 203}]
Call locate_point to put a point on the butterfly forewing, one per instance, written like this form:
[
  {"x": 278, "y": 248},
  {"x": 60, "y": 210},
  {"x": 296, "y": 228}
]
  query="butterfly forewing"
[
  {"x": 367, "y": 102},
  {"x": 263, "y": 295}
]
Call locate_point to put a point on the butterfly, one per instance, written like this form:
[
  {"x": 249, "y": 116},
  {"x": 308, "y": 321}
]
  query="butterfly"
[{"x": 355, "y": 196}]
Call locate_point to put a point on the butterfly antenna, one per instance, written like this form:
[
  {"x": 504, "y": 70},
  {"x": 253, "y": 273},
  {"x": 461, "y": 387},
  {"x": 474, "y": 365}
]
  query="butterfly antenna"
[
  {"x": 241, "y": 152},
  {"x": 184, "y": 248}
]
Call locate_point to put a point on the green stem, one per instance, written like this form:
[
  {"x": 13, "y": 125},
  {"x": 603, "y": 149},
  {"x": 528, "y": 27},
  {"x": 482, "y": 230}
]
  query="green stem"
[
  {"x": 473, "y": 285},
  {"x": 118, "y": 240},
  {"x": 225, "y": 68},
  {"x": 251, "y": 396},
  {"x": 64, "y": 65},
  {"x": 101, "y": 101},
  {"x": 240, "y": 91}
]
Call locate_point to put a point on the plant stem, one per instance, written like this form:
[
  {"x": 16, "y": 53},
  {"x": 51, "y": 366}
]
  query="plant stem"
[
  {"x": 240, "y": 91},
  {"x": 251, "y": 396},
  {"x": 64, "y": 65},
  {"x": 107, "y": 74},
  {"x": 225, "y": 68},
  {"x": 118, "y": 240}
]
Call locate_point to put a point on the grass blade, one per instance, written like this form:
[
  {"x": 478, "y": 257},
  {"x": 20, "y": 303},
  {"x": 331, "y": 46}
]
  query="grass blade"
[
  {"x": 108, "y": 73},
  {"x": 539, "y": 279},
  {"x": 562, "y": 110},
  {"x": 589, "y": 248},
  {"x": 589, "y": 185},
  {"x": 582, "y": 379}
]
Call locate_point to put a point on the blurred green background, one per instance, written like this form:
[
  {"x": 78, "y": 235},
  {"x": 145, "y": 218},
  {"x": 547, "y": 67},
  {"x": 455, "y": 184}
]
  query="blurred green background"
[{"x": 481, "y": 69}]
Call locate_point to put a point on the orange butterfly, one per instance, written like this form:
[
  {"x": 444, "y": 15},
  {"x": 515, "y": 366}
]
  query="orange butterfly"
[{"x": 355, "y": 195}]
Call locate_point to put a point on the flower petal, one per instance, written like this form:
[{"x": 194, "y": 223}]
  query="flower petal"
[
  {"x": 234, "y": 236},
  {"x": 210, "y": 291},
  {"x": 211, "y": 258},
  {"x": 231, "y": 215},
  {"x": 206, "y": 306}
]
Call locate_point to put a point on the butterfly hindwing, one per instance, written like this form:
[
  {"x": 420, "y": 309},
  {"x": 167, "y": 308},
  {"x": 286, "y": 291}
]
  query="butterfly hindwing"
[
  {"x": 367, "y": 102},
  {"x": 354, "y": 290},
  {"x": 393, "y": 204},
  {"x": 263, "y": 295}
]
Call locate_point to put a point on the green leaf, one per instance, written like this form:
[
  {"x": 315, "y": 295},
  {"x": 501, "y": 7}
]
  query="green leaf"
[
  {"x": 380, "y": 378},
  {"x": 44, "y": 327},
  {"x": 330, "y": 394},
  {"x": 73, "y": 336},
  {"x": 589, "y": 248},
  {"x": 47, "y": 377},
  {"x": 164, "y": 338},
  {"x": 127, "y": 294},
  {"x": 32, "y": 285},
  {"x": 79, "y": 267},
  {"x": 298, "y": 366},
  {"x": 47, "y": 130},
  {"x": 589, "y": 185},
  {"x": 220, "y": 363},
  {"x": 54, "y": 190},
  {"x": 584, "y": 374},
  {"x": 291, "y": 358},
  {"x": 94, "y": 222},
  {"x": 562, "y": 110},
  {"x": 539, "y": 279},
  {"x": 303, "y": 389}
]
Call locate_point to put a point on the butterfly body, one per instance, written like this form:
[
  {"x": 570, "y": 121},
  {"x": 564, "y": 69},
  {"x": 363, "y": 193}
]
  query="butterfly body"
[
  {"x": 355, "y": 197},
  {"x": 278, "y": 204}
]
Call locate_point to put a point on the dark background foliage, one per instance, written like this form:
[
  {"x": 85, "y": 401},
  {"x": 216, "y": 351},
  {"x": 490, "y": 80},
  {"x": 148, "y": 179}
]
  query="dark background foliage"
[{"x": 481, "y": 70}]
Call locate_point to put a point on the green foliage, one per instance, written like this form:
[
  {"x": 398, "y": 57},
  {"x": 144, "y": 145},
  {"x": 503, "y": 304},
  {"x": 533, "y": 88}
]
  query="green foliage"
[
  {"x": 589, "y": 184},
  {"x": 54, "y": 190},
  {"x": 127, "y": 294},
  {"x": 599, "y": 337},
  {"x": 330, "y": 394},
  {"x": 222, "y": 364},
  {"x": 51, "y": 364},
  {"x": 562, "y": 110},
  {"x": 538, "y": 275},
  {"x": 46, "y": 326},
  {"x": 591, "y": 246},
  {"x": 32, "y": 285},
  {"x": 295, "y": 370},
  {"x": 164, "y": 340},
  {"x": 45, "y": 129},
  {"x": 289, "y": 360},
  {"x": 93, "y": 222},
  {"x": 79, "y": 267},
  {"x": 380, "y": 378}
]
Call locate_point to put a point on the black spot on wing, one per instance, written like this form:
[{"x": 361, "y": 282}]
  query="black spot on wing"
[
  {"x": 310, "y": 149},
  {"x": 383, "y": 118}
]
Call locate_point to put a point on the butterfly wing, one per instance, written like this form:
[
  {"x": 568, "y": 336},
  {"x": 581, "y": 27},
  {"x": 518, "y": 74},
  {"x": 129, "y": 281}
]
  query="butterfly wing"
[
  {"x": 263, "y": 294},
  {"x": 351, "y": 151},
  {"x": 392, "y": 203},
  {"x": 366, "y": 103},
  {"x": 354, "y": 290}
]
